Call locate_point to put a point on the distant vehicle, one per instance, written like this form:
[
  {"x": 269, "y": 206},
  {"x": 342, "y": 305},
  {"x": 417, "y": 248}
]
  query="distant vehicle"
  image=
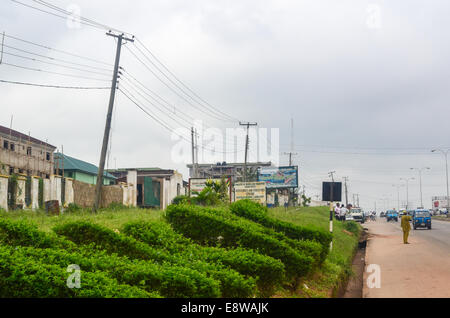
[
  {"x": 422, "y": 218},
  {"x": 382, "y": 215},
  {"x": 357, "y": 215},
  {"x": 349, "y": 217},
  {"x": 391, "y": 215}
]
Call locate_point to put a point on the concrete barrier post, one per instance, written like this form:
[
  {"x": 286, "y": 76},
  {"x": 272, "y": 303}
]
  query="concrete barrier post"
[
  {"x": 35, "y": 193},
  {"x": 55, "y": 188},
  {"x": 69, "y": 195},
  {"x": 20, "y": 197},
  {"x": 47, "y": 190}
]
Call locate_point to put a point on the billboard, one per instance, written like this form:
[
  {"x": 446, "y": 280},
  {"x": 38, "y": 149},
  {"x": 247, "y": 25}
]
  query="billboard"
[
  {"x": 337, "y": 191},
  {"x": 198, "y": 184},
  {"x": 439, "y": 202},
  {"x": 255, "y": 191},
  {"x": 279, "y": 177}
]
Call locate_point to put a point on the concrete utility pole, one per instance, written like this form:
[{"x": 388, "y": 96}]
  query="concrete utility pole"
[
  {"x": 398, "y": 194},
  {"x": 407, "y": 191},
  {"x": 196, "y": 153},
  {"x": 420, "y": 181},
  {"x": 446, "y": 171},
  {"x": 346, "y": 191},
  {"x": 101, "y": 166},
  {"x": 248, "y": 124},
  {"x": 331, "y": 175},
  {"x": 193, "y": 152}
]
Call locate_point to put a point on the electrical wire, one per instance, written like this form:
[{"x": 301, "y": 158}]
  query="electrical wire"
[
  {"x": 55, "y": 73},
  {"x": 50, "y": 86}
]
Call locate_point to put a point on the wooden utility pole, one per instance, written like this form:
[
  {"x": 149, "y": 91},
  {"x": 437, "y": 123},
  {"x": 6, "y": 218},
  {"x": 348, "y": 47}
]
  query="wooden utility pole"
[
  {"x": 101, "y": 166},
  {"x": 248, "y": 124},
  {"x": 346, "y": 191}
]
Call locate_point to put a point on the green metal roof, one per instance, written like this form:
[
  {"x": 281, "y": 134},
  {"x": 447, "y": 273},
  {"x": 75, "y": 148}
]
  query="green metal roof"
[{"x": 71, "y": 163}]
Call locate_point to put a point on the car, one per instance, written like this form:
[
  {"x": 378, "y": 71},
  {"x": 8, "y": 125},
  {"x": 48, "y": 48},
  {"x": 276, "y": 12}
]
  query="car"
[
  {"x": 421, "y": 218},
  {"x": 357, "y": 215},
  {"x": 391, "y": 215},
  {"x": 382, "y": 215}
]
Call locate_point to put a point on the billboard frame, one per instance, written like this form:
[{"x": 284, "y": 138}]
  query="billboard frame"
[
  {"x": 229, "y": 178},
  {"x": 281, "y": 167}
]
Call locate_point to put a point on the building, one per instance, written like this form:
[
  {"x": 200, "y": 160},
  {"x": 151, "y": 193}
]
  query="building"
[
  {"x": 154, "y": 187},
  {"x": 80, "y": 170},
  {"x": 234, "y": 170},
  {"x": 20, "y": 153}
]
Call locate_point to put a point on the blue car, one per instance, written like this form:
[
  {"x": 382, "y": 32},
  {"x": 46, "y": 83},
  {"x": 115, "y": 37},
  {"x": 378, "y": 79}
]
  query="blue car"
[
  {"x": 391, "y": 215},
  {"x": 421, "y": 218}
]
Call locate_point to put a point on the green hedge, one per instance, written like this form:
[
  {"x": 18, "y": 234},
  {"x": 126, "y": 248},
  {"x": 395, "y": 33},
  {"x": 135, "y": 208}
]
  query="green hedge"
[
  {"x": 97, "y": 237},
  {"x": 168, "y": 281},
  {"x": 206, "y": 226},
  {"x": 258, "y": 213},
  {"x": 23, "y": 277},
  {"x": 269, "y": 272}
]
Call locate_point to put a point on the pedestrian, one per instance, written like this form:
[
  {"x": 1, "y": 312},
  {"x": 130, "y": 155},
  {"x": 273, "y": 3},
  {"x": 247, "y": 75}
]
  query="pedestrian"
[
  {"x": 343, "y": 213},
  {"x": 406, "y": 227},
  {"x": 337, "y": 211}
]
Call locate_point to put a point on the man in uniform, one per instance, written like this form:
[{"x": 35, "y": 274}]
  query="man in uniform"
[{"x": 406, "y": 227}]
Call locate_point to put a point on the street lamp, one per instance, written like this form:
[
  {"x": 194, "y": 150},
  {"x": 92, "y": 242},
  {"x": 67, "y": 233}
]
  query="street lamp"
[
  {"x": 407, "y": 190},
  {"x": 420, "y": 181},
  {"x": 398, "y": 194},
  {"x": 446, "y": 171}
]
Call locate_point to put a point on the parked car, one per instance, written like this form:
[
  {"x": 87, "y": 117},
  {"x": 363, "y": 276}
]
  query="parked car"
[
  {"x": 357, "y": 215},
  {"x": 391, "y": 215},
  {"x": 422, "y": 218}
]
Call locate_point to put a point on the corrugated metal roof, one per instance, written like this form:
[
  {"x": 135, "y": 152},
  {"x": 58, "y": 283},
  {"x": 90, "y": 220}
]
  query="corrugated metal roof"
[{"x": 71, "y": 163}]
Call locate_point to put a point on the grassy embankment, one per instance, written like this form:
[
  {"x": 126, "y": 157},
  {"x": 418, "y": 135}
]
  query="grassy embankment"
[
  {"x": 322, "y": 283},
  {"x": 337, "y": 267}
]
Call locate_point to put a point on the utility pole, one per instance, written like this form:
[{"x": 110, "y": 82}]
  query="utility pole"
[
  {"x": 196, "y": 153},
  {"x": 445, "y": 153},
  {"x": 248, "y": 124},
  {"x": 101, "y": 166},
  {"x": 407, "y": 191},
  {"x": 193, "y": 153},
  {"x": 346, "y": 191},
  {"x": 331, "y": 175},
  {"x": 357, "y": 197},
  {"x": 420, "y": 181}
]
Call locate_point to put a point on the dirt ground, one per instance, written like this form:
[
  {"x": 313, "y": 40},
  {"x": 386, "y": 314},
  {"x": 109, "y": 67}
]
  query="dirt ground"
[{"x": 419, "y": 269}]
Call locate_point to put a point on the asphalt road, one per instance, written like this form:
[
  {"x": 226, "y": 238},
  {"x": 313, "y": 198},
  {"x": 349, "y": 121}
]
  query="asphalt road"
[{"x": 419, "y": 269}]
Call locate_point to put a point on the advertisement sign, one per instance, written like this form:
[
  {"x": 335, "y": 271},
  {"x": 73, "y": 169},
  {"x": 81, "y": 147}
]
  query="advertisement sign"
[
  {"x": 279, "y": 177},
  {"x": 337, "y": 191},
  {"x": 439, "y": 202},
  {"x": 255, "y": 191},
  {"x": 198, "y": 184}
]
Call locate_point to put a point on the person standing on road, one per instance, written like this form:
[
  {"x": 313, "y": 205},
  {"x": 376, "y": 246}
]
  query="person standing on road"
[
  {"x": 343, "y": 212},
  {"x": 406, "y": 227},
  {"x": 337, "y": 211}
]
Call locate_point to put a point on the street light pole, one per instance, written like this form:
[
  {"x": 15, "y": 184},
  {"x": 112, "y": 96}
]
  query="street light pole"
[
  {"x": 407, "y": 191},
  {"x": 446, "y": 171},
  {"x": 420, "y": 182}
]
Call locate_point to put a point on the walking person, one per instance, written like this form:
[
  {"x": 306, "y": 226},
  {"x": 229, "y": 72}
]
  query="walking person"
[
  {"x": 343, "y": 212},
  {"x": 406, "y": 227},
  {"x": 337, "y": 211}
]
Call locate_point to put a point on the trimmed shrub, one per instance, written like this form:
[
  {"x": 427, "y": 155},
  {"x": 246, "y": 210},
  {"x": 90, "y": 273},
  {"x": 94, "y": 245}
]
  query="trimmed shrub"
[
  {"x": 268, "y": 271},
  {"x": 207, "y": 226},
  {"x": 352, "y": 227},
  {"x": 97, "y": 237},
  {"x": 23, "y": 277},
  {"x": 257, "y": 213}
]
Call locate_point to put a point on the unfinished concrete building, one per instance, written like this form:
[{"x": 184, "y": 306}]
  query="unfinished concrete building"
[{"x": 23, "y": 154}]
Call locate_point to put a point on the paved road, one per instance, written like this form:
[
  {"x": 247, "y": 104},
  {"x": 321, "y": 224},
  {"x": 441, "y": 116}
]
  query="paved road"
[{"x": 419, "y": 269}]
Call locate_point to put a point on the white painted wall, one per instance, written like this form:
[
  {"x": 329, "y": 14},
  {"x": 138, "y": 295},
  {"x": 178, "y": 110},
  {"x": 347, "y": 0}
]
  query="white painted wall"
[
  {"x": 4, "y": 192},
  {"x": 132, "y": 179},
  {"x": 34, "y": 193},
  {"x": 68, "y": 192},
  {"x": 20, "y": 198}
]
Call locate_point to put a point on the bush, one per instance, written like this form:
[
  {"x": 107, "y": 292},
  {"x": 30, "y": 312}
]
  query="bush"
[
  {"x": 23, "y": 277},
  {"x": 352, "y": 227},
  {"x": 268, "y": 271},
  {"x": 20, "y": 233},
  {"x": 233, "y": 284},
  {"x": 257, "y": 213},
  {"x": 72, "y": 208},
  {"x": 180, "y": 199},
  {"x": 205, "y": 226}
]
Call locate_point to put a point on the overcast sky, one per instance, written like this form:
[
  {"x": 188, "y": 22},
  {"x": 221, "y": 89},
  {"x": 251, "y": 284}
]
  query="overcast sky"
[{"x": 366, "y": 83}]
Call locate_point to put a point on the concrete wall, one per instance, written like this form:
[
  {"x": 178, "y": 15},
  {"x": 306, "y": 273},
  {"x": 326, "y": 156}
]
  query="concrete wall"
[
  {"x": 47, "y": 191},
  {"x": 20, "y": 198},
  {"x": 55, "y": 188},
  {"x": 4, "y": 192},
  {"x": 132, "y": 180},
  {"x": 84, "y": 194},
  {"x": 68, "y": 192}
]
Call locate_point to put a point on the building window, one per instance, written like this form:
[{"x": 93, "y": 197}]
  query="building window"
[
  {"x": 47, "y": 155},
  {"x": 12, "y": 147},
  {"x": 28, "y": 151},
  {"x": 5, "y": 144}
]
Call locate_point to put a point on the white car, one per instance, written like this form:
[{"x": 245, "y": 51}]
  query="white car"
[{"x": 357, "y": 214}]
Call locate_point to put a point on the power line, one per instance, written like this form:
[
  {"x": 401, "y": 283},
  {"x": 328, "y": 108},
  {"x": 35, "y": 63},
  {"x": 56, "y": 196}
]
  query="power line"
[
  {"x": 50, "y": 86},
  {"x": 55, "y": 64},
  {"x": 62, "y": 52},
  {"x": 56, "y": 73}
]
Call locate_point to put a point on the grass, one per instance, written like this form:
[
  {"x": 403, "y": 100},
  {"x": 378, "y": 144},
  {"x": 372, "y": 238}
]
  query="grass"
[
  {"x": 337, "y": 267},
  {"x": 111, "y": 219}
]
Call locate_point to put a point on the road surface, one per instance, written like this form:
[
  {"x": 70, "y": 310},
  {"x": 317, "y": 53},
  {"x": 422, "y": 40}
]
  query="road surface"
[{"x": 419, "y": 269}]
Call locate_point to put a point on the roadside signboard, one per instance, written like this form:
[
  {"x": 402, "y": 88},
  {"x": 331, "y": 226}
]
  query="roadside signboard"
[
  {"x": 279, "y": 177},
  {"x": 198, "y": 184},
  {"x": 439, "y": 202},
  {"x": 255, "y": 191},
  {"x": 337, "y": 191}
]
